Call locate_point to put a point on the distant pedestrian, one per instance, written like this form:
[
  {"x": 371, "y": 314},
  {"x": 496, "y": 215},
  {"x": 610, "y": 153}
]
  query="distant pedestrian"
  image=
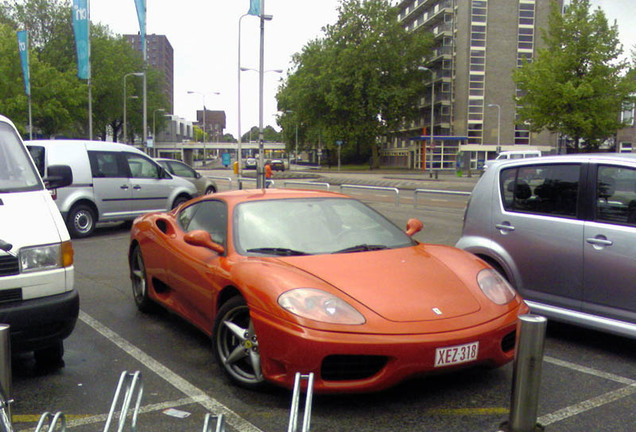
[{"x": 268, "y": 173}]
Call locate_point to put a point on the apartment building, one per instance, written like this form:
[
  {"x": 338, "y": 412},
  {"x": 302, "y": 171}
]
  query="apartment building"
[
  {"x": 161, "y": 57},
  {"x": 467, "y": 113}
]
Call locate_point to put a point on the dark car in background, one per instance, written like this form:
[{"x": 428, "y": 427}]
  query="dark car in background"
[
  {"x": 562, "y": 230},
  {"x": 278, "y": 165}
]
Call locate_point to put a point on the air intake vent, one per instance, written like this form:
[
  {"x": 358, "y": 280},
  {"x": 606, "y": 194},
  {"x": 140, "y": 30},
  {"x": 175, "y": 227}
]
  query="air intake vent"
[
  {"x": 9, "y": 265},
  {"x": 10, "y": 295}
]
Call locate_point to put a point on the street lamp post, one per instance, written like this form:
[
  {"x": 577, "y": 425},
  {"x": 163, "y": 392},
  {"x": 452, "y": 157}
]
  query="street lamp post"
[
  {"x": 424, "y": 68},
  {"x": 498, "y": 124},
  {"x": 154, "y": 130},
  {"x": 126, "y": 76},
  {"x": 204, "y": 116}
]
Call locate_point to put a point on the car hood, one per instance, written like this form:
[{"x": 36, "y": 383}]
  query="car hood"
[{"x": 401, "y": 285}]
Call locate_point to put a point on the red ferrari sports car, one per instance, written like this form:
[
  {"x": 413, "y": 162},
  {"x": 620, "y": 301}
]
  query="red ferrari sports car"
[{"x": 288, "y": 281}]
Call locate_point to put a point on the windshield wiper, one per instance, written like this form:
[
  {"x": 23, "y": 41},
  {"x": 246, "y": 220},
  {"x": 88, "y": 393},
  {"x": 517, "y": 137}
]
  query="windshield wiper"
[
  {"x": 361, "y": 248},
  {"x": 278, "y": 251}
]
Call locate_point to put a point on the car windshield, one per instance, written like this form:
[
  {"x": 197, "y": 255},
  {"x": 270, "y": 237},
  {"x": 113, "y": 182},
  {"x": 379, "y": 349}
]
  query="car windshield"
[
  {"x": 17, "y": 173},
  {"x": 309, "y": 226}
]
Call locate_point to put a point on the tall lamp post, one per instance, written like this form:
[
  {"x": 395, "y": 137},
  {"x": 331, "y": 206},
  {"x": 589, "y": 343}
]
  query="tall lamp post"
[
  {"x": 126, "y": 76},
  {"x": 498, "y": 125},
  {"x": 424, "y": 68},
  {"x": 154, "y": 130},
  {"x": 204, "y": 116}
]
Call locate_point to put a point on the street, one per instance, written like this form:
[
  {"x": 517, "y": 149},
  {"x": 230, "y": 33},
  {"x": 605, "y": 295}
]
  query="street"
[{"x": 589, "y": 378}]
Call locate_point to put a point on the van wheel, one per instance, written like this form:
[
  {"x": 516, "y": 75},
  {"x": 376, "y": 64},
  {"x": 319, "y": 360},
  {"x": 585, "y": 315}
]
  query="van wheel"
[
  {"x": 81, "y": 221},
  {"x": 50, "y": 356},
  {"x": 179, "y": 200},
  {"x": 210, "y": 190}
]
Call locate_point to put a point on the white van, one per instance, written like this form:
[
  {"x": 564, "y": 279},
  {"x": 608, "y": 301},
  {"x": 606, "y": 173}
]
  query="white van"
[
  {"x": 37, "y": 298},
  {"x": 112, "y": 182},
  {"x": 514, "y": 154}
]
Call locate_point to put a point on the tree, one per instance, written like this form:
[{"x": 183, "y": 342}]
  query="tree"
[
  {"x": 577, "y": 85},
  {"x": 358, "y": 82},
  {"x": 269, "y": 134}
]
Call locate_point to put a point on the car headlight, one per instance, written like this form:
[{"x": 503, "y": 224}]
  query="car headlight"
[
  {"x": 46, "y": 257},
  {"x": 320, "y": 306},
  {"x": 495, "y": 287}
]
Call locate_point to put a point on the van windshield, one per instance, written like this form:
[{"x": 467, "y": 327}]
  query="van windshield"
[{"x": 17, "y": 173}]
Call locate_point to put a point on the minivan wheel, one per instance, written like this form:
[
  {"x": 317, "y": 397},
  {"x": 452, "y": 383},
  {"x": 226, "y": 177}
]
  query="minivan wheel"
[
  {"x": 81, "y": 221},
  {"x": 210, "y": 190},
  {"x": 179, "y": 200}
]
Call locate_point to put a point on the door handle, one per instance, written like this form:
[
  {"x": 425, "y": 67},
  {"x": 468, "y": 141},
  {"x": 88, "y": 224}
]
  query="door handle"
[
  {"x": 505, "y": 227},
  {"x": 599, "y": 242},
  {"x": 137, "y": 187},
  {"x": 124, "y": 187}
]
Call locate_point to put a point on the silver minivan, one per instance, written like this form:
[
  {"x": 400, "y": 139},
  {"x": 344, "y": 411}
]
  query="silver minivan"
[
  {"x": 111, "y": 182},
  {"x": 562, "y": 230}
]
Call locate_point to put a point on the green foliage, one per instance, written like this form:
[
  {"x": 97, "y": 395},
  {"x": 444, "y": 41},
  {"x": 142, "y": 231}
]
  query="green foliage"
[
  {"x": 59, "y": 98},
  {"x": 269, "y": 135},
  {"x": 357, "y": 83},
  {"x": 577, "y": 85}
]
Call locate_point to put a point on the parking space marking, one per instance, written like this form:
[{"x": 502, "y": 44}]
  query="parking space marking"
[
  {"x": 190, "y": 390},
  {"x": 589, "y": 371},
  {"x": 592, "y": 403},
  {"x": 587, "y": 405}
]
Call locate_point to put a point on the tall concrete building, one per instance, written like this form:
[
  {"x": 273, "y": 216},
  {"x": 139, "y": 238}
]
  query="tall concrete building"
[
  {"x": 468, "y": 106},
  {"x": 161, "y": 57}
]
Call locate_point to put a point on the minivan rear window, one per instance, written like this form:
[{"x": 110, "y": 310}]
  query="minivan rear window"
[{"x": 547, "y": 189}]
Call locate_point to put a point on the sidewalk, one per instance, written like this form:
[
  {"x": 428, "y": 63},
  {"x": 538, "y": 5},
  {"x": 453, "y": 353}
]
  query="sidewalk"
[{"x": 404, "y": 180}]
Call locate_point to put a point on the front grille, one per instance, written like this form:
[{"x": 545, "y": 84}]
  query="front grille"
[
  {"x": 10, "y": 295},
  {"x": 9, "y": 265},
  {"x": 508, "y": 341},
  {"x": 351, "y": 367}
]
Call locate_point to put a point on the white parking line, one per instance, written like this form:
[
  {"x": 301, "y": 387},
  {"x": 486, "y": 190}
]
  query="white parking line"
[
  {"x": 589, "y": 404},
  {"x": 194, "y": 393}
]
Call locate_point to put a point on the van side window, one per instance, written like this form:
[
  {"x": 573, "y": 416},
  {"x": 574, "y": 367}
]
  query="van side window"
[
  {"x": 140, "y": 167},
  {"x": 541, "y": 189},
  {"x": 210, "y": 216},
  {"x": 616, "y": 195},
  {"x": 106, "y": 165}
]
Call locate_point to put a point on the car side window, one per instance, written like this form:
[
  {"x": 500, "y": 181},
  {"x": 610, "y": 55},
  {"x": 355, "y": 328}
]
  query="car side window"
[
  {"x": 182, "y": 170},
  {"x": 106, "y": 165},
  {"x": 616, "y": 195},
  {"x": 550, "y": 189},
  {"x": 209, "y": 215},
  {"x": 140, "y": 167}
]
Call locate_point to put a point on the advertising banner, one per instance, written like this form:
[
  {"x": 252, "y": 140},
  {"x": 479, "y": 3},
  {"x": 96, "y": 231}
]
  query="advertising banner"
[
  {"x": 81, "y": 23},
  {"x": 23, "y": 47}
]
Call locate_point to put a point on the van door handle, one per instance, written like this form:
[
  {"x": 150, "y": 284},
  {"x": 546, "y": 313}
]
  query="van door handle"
[
  {"x": 124, "y": 187},
  {"x": 137, "y": 187},
  {"x": 505, "y": 227},
  {"x": 599, "y": 242}
]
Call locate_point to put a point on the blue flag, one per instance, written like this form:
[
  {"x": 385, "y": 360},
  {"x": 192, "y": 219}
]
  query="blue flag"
[
  {"x": 141, "y": 16},
  {"x": 255, "y": 8},
  {"x": 23, "y": 47},
  {"x": 81, "y": 24}
]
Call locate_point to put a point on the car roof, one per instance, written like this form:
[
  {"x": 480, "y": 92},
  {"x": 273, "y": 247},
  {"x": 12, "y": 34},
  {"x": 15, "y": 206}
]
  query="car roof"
[{"x": 575, "y": 157}]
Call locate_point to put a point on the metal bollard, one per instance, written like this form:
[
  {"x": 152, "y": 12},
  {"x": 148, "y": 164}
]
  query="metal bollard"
[
  {"x": 5, "y": 366},
  {"x": 526, "y": 382}
]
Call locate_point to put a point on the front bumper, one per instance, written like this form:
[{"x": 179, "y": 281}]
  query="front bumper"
[
  {"x": 41, "y": 322},
  {"x": 372, "y": 362}
]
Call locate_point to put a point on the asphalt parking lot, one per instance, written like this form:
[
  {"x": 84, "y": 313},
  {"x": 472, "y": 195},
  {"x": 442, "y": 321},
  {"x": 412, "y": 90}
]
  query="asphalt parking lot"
[{"x": 589, "y": 378}]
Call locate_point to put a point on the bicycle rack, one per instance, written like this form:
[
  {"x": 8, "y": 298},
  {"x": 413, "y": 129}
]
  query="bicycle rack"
[
  {"x": 293, "y": 415},
  {"x": 220, "y": 423},
  {"x": 133, "y": 383},
  {"x": 52, "y": 420}
]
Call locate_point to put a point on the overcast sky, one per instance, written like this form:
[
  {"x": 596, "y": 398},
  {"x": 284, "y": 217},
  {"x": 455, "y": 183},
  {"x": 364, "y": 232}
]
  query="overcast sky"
[{"x": 204, "y": 36}]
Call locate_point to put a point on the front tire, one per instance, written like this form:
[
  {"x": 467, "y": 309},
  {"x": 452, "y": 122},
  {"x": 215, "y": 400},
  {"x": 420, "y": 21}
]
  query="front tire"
[
  {"x": 81, "y": 221},
  {"x": 236, "y": 344},
  {"x": 50, "y": 357},
  {"x": 139, "y": 279},
  {"x": 179, "y": 200}
]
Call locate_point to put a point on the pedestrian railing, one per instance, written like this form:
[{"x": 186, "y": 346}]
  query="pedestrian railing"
[
  {"x": 306, "y": 183},
  {"x": 378, "y": 188},
  {"x": 437, "y": 192},
  {"x": 227, "y": 179}
]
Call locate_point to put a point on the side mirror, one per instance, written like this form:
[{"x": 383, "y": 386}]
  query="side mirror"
[
  {"x": 58, "y": 176},
  {"x": 413, "y": 226},
  {"x": 203, "y": 238}
]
